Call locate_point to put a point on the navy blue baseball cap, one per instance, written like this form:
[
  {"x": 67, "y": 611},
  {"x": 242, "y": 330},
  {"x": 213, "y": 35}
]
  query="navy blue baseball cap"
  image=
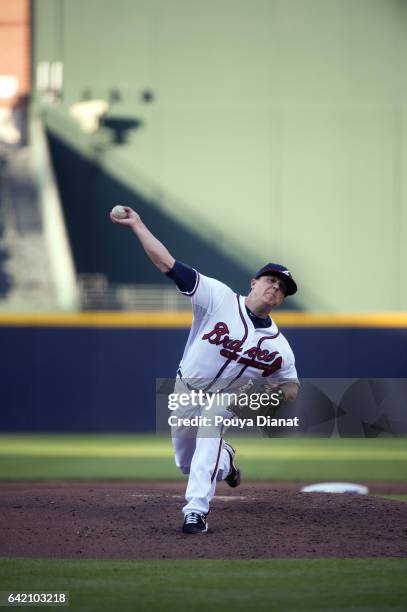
[{"x": 280, "y": 271}]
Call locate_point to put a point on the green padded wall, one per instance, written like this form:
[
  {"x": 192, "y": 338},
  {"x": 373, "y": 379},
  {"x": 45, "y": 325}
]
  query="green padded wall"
[{"x": 281, "y": 122}]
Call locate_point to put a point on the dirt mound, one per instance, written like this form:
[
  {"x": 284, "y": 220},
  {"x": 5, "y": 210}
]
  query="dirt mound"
[{"x": 142, "y": 520}]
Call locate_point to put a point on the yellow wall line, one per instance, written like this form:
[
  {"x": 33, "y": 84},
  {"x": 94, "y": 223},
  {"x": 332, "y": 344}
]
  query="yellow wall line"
[{"x": 182, "y": 319}]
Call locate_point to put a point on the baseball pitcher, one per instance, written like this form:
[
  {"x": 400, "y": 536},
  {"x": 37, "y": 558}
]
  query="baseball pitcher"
[{"x": 232, "y": 339}]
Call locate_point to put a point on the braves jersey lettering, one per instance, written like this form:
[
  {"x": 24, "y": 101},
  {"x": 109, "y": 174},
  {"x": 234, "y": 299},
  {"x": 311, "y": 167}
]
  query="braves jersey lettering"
[
  {"x": 215, "y": 337},
  {"x": 262, "y": 355},
  {"x": 268, "y": 370},
  {"x": 219, "y": 335}
]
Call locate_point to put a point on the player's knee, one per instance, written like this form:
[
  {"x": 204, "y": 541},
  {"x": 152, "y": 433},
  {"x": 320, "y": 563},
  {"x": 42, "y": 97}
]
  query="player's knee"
[{"x": 185, "y": 469}]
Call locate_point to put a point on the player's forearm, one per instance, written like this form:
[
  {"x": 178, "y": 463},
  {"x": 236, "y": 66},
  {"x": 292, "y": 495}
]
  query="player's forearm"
[{"x": 155, "y": 250}]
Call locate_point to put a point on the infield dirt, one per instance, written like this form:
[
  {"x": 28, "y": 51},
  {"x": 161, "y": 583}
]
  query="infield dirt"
[{"x": 142, "y": 520}]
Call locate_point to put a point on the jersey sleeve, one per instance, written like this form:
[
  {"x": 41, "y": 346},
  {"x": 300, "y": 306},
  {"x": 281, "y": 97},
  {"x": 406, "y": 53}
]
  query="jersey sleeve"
[
  {"x": 184, "y": 277},
  {"x": 207, "y": 294}
]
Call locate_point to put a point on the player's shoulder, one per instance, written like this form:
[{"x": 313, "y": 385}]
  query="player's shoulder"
[
  {"x": 215, "y": 285},
  {"x": 209, "y": 295}
]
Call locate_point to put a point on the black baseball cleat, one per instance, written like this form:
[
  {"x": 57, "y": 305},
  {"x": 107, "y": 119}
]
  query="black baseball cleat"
[
  {"x": 195, "y": 522},
  {"x": 233, "y": 478}
]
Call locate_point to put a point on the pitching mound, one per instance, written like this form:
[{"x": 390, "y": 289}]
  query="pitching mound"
[{"x": 142, "y": 520}]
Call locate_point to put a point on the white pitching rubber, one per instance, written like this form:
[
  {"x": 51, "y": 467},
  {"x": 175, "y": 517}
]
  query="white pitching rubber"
[{"x": 336, "y": 487}]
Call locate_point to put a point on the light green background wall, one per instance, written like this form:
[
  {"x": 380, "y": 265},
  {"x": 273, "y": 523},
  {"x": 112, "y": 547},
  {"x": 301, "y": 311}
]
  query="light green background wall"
[{"x": 284, "y": 122}]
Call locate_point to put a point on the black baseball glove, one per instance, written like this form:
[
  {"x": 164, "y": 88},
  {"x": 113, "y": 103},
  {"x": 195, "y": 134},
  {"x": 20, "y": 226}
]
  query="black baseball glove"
[{"x": 257, "y": 398}]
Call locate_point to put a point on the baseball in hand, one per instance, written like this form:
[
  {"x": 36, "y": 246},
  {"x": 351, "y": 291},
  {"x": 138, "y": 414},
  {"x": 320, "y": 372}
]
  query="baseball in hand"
[{"x": 119, "y": 212}]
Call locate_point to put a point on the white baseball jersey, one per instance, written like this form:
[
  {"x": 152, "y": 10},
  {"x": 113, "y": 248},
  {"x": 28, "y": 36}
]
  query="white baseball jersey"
[{"x": 224, "y": 347}]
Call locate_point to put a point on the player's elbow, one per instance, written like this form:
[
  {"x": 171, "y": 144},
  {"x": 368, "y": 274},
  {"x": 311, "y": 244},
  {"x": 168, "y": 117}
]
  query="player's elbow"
[
  {"x": 291, "y": 391},
  {"x": 296, "y": 389},
  {"x": 165, "y": 266},
  {"x": 162, "y": 260}
]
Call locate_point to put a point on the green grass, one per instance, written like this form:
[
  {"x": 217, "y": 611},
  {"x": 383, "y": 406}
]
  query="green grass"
[
  {"x": 289, "y": 584},
  {"x": 397, "y": 497},
  {"x": 50, "y": 456}
]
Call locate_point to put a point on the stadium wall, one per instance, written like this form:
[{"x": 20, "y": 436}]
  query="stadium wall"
[
  {"x": 285, "y": 122},
  {"x": 97, "y": 372},
  {"x": 99, "y": 247}
]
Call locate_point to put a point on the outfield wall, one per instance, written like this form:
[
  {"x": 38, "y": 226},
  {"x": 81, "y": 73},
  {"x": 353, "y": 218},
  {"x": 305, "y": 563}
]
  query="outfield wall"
[{"x": 97, "y": 372}]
